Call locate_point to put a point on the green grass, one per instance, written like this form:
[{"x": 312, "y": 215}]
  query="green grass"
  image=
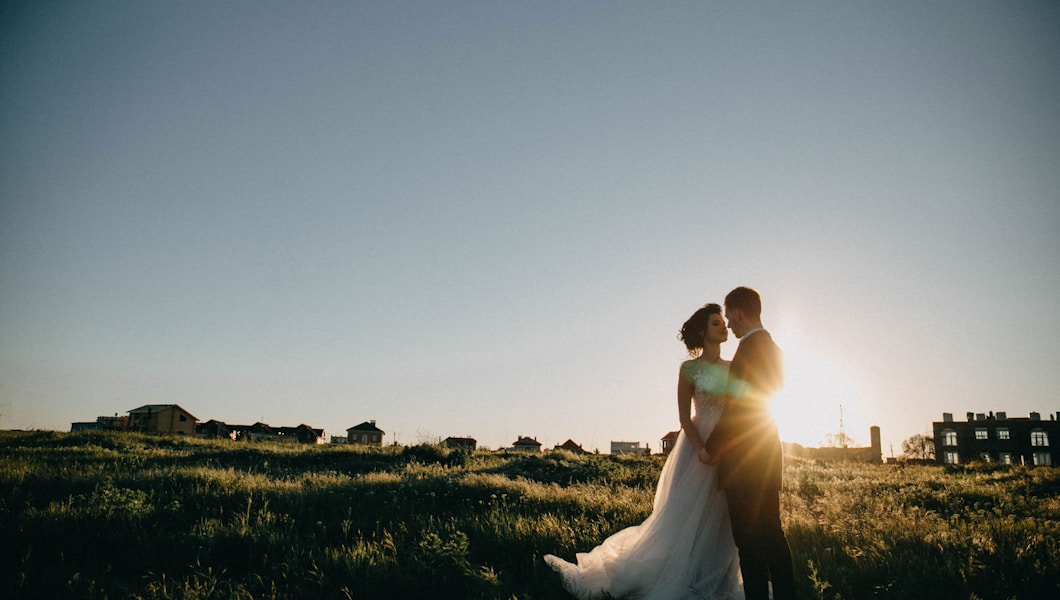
[{"x": 119, "y": 516}]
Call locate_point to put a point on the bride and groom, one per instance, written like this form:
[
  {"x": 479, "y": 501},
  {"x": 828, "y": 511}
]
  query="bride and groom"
[{"x": 715, "y": 530}]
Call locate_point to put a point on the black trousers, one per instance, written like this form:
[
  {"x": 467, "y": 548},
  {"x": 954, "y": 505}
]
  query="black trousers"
[{"x": 764, "y": 552}]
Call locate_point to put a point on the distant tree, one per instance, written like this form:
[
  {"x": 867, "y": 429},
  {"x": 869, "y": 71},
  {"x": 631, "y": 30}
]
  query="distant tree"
[
  {"x": 839, "y": 440},
  {"x": 919, "y": 446}
]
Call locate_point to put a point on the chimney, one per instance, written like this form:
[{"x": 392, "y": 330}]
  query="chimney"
[
  {"x": 877, "y": 447},
  {"x": 971, "y": 416},
  {"x": 980, "y": 417},
  {"x": 1036, "y": 416},
  {"x": 1002, "y": 415},
  {"x": 947, "y": 417}
]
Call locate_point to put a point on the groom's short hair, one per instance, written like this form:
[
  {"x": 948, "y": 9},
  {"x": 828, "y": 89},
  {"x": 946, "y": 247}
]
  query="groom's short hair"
[{"x": 745, "y": 300}]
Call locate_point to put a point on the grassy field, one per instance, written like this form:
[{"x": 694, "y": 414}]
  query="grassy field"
[{"x": 119, "y": 516}]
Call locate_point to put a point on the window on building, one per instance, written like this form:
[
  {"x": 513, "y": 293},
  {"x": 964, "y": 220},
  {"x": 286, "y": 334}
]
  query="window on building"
[
  {"x": 950, "y": 457},
  {"x": 984, "y": 456},
  {"x": 1005, "y": 458},
  {"x": 364, "y": 438},
  {"x": 183, "y": 418},
  {"x": 949, "y": 437},
  {"x": 1039, "y": 438},
  {"x": 1043, "y": 459},
  {"x": 1002, "y": 433},
  {"x": 980, "y": 433}
]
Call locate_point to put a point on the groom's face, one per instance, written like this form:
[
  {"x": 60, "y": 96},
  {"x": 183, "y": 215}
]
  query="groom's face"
[{"x": 735, "y": 318}]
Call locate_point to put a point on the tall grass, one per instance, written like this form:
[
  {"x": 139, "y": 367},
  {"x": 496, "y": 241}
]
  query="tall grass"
[{"x": 113, "y": 516}]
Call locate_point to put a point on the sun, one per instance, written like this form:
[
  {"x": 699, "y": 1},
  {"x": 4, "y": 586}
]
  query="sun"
[{"x": 808, "y": 408}]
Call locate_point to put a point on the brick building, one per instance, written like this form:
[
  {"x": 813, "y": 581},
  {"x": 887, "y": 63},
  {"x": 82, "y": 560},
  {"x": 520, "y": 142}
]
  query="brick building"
[{"x": 997, "y": 438}]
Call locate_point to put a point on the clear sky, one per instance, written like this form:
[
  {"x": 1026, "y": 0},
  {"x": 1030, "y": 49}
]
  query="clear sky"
[{"x": 490, "y": 219}]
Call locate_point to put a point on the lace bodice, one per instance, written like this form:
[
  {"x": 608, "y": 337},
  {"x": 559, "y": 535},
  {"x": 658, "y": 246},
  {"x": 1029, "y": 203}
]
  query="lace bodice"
[{"x": 709, "y": 382}]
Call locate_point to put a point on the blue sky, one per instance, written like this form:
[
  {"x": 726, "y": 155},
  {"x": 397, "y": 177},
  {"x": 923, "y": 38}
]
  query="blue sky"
[{"x": 490, "y": 219}]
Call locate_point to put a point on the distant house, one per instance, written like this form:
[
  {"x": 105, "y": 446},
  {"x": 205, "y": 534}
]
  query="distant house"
[
  {"x": 669, "y": 440},
  {"x": 114, "y": 423},
  {"x": 258, "y": 432},
  {"x": 215, "y": 429},
  {"x": 168, "y": 419},
  {"x": 872, "y": 453},
  {"x": 998, "y": 438},
  {"x": 261, "y": 432},
  {"x": 302, "y": 434},
  {"x": 628, "y": 448},
  {"x": 461, "y": 443},
  {"x": 570, "y": 446},
  {"x": 366, "y": 433},
  {"x": 526, "y": 444}
]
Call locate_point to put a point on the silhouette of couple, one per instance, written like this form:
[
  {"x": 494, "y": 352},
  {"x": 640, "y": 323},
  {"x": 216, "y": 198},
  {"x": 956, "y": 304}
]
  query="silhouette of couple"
[{"x": 715, "y": 530}]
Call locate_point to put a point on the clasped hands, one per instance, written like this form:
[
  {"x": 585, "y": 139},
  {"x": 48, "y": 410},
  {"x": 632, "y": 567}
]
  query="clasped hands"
[{"x": 706, "y": 457}]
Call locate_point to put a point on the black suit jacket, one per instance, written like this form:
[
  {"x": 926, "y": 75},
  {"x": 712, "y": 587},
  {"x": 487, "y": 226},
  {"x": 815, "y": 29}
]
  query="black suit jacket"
[{"x": 745, "y": 439}]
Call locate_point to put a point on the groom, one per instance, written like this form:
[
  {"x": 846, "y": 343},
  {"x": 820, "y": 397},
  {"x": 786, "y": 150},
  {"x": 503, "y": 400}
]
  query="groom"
[{"x": 746, "y": 447}]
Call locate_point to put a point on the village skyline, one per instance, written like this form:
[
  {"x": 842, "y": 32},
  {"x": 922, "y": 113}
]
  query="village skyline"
[
  {"x": 981, "y": 438},
  {"x": 183, "y": 422}
]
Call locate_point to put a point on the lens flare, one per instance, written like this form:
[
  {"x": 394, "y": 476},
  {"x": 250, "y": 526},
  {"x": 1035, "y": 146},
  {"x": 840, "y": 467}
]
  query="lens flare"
[{"x": 807, "y": 411}]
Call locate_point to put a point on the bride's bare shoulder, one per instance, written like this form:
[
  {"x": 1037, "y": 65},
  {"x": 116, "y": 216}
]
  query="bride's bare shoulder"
[{"x": 687, "y": 366}]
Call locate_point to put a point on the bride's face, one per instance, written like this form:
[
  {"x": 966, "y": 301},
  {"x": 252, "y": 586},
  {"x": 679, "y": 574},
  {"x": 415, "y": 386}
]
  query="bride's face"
[{"x": 716, "y": 332}]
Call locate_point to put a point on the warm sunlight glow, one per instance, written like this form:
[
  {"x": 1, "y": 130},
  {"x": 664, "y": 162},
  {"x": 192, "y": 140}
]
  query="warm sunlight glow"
[{"x": 807, "y": 410}]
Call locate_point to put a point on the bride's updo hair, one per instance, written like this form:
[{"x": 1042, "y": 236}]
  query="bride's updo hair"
[{"x": 695, "y": 327}]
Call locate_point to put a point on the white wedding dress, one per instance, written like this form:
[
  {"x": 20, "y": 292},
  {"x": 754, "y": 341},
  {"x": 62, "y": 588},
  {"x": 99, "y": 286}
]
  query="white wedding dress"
[{"x": 685, "y": 548}]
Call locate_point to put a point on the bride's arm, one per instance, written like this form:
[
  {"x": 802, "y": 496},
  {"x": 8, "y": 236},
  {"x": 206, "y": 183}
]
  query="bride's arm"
[{"x": 684, "y": 410}]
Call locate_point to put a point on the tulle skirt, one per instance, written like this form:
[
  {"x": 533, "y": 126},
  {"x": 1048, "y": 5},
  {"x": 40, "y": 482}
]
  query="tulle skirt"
[{"x": 683, "y": 550}]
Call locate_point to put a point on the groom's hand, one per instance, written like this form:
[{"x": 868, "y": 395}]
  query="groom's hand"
[{"x": 705, "y": 457}]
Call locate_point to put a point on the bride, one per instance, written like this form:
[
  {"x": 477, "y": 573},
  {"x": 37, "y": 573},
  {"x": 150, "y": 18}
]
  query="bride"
[{"x": 685, "y": 548}]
